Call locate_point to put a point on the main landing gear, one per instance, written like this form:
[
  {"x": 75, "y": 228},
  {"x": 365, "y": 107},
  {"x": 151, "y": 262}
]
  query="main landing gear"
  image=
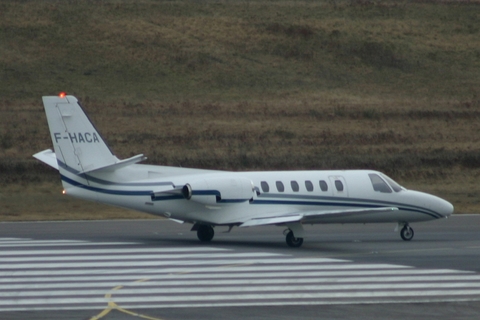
[
  {"x": 205, "y": 233},
  {"x": 291, "y": 240},
  {"x": 406, "y": 233}
]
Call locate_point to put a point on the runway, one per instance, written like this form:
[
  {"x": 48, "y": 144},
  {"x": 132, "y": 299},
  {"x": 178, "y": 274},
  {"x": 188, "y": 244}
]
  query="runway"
[{"x": 158, "y": 270}]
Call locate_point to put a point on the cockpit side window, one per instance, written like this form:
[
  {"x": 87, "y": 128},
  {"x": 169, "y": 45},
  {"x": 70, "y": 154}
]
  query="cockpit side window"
[
  {"x": 395, "y": 186},
  {"x": 378, "y": 184}
]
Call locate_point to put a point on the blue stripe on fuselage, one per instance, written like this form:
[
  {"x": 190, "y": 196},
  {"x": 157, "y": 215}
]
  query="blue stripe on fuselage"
[
  {"x": 111, "y": 183},
  {"x": 342, "y": 204},
  {"x": 280, "y": 199},
  {"x": 107, "y": 191}
]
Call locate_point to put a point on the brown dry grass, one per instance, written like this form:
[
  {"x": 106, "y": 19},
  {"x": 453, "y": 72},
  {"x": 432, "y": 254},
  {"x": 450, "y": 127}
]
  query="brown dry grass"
[
  {"x": 431, "y": 149},
  {"x": 250, "y": 85}
]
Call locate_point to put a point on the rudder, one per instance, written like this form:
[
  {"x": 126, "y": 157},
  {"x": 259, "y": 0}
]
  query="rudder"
[{"x": 76, "y": 142}]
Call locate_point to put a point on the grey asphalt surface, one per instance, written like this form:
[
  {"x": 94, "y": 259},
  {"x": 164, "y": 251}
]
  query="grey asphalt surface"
[{"x": 452, "y": 243}]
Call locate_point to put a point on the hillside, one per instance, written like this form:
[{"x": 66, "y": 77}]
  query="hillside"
[{"x": 247, "y": 85}]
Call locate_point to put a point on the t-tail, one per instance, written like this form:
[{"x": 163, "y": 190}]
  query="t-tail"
[{"x": 78, "y": 147}]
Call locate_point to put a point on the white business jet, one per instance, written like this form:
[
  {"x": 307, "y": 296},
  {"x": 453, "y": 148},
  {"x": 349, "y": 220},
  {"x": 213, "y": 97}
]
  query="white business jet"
[{"x": 210, "y": 198}]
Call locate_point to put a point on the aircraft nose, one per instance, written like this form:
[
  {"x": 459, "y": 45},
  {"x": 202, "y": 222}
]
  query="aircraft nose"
[
  {"x": 444, "y": 207},
  {"x": 438, "y": 205}
]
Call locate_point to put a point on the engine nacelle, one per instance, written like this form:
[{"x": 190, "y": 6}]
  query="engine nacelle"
[{"x": 219, "y": 190}]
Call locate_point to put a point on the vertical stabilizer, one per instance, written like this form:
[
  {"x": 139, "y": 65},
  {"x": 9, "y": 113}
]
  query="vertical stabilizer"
[{"x": 78, "y": 146}]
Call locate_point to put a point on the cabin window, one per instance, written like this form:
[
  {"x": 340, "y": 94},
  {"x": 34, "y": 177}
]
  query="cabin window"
[
  {"x": 265, "y": 186},
  {"x": 280, "y": 186},
  {"x": 323, "y": 185},
  {"x": 339, "y": 185},
  {"x": 294, "y": 185},
  {"x": 309, "y": 185},
  {"x": 378, "y": 184}
]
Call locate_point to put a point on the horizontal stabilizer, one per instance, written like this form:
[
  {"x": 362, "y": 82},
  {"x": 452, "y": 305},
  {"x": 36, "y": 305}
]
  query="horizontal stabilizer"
[
  {"x": 120, "y": 164},
  {"x": 48, "y": 157},
  {"x": 310, "y": 216}
]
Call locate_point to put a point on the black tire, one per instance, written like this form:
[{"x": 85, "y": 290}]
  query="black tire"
[
  {"x": 406, "y": 233},
  {"x": 205, "y": 233},
  {"x": 292, "y": 241}
]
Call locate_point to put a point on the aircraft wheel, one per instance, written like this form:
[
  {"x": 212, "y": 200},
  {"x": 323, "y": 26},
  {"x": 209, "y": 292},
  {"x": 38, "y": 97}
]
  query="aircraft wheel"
[
  {"x": 406, "y": 233},
  {"x": 205, "y": 233},
  {"x": 292, "y": 241}
]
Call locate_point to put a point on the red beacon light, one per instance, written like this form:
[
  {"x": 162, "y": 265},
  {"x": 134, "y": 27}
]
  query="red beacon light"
[{"x": 62, "y": 95}]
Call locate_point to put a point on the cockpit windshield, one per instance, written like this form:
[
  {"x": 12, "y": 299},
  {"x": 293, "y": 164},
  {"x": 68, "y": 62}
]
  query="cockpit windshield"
[
  {"x": 382, "y": 183},
  {"x": 378, "y": 184},
  {"x": 395, "y": 186}
]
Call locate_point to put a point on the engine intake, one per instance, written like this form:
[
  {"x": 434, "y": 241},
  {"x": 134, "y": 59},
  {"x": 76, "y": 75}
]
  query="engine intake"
[{"x": 187, "y": 191}]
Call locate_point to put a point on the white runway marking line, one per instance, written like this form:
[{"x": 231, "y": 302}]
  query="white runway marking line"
[
  {"x": 316, "y": 276},
  {"x": 168, "y": 282},
  {"x": 79, "y": 278},
  {"x": 76, "y": 252},
  {"x": 268, "y": 290},
  {"x": 60, "y": 244},
  {"x": 30, "y": 241},
  {"x": 219, "y": 272},
  {"x": 288, "y": 297},
  {"x": 138, "y": 257},
  {"x": 154, "y": 263}
]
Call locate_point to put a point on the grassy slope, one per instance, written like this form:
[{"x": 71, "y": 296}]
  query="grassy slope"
[
  {"x": 248, "y": 85},
  {"x": 219, "y": 50}
]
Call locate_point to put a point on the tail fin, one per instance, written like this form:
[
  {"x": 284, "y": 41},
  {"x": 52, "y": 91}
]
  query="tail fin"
[{"x": 77, "y": 143}]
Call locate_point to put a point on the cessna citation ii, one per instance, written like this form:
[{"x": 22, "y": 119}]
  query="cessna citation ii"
[{"x": 210, "y": 198}]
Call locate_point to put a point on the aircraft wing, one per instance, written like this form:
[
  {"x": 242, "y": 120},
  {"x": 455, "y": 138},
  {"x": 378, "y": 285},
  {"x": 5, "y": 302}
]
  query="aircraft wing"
[{"x": 311, "y": 216}]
